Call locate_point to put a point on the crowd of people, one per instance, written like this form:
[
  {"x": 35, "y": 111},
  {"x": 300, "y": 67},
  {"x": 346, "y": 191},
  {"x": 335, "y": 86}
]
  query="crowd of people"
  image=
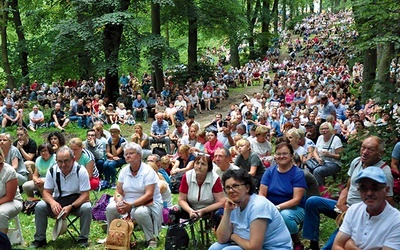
[{"x": 247, "y": 169}]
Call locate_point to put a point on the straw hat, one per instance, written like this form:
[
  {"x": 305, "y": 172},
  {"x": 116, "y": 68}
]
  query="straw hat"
[{"x": 59, "y": 228}]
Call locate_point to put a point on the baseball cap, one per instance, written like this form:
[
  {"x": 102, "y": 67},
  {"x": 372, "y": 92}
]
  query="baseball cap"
[
  {"x": 373, "y": 173},
  {"x": 310, "y": 124}
]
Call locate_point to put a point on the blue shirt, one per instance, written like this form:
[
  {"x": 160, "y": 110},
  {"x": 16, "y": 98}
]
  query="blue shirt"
[
  {"x": 139, "y": 104},
  {"x": 281, "y": 185},
  {"x": 159, "y": 129}
]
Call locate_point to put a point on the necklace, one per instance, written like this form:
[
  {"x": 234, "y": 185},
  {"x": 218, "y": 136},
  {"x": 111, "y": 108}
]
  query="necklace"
[
  {"x": 135, "y": 171},
  {"x": 280, "y": 170}
]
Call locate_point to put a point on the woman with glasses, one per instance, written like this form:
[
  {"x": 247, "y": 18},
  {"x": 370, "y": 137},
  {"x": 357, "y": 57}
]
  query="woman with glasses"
[
  {"x": 200, "y": 192},
  {"x": 138, "y": 195},
  {"x": 46, "y": 159},
  {"x": 327, "y": 153},
  {"x": 284, "y": 185},
  {"x": 249, "y": 221}
]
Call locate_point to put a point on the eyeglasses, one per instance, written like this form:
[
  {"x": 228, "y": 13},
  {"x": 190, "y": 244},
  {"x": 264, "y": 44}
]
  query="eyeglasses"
[
  {"x": 60, "y": 162},
  {"x": 234, "y": 187},
  {"x": 373, "y": 189},
  {"x": 282, "y": 154}
]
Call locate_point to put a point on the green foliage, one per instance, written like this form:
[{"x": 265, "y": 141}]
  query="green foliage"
[{"x": 182, "y": 73}]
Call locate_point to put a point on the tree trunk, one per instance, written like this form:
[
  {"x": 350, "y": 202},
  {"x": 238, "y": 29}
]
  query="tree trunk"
[
  {"x": 111, "y": 43},
  {"x": 265, "y": 24},
  {"x": 85, "y": 62},
  {"x": 4, "y": 5},
  {"x": 283, "y": 14},
  {"x": 385, "y": 52},
  {"x": 276, "y": 16},
  {"x": 320, "y": 6},
  {"x": 22, "y": 48},
  {"x": 369, "y": 74},
  {"x": 157, "y": 74},
  {"x": 235, "y": 62},
  {"x": 192, "y": 34},
  {"x": 252, "y": 18}
]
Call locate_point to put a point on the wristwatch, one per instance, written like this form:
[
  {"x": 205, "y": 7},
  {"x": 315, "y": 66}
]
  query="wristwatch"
[
  {"x": 73, "y": 207},
  {"x": 278, "y": 207}
]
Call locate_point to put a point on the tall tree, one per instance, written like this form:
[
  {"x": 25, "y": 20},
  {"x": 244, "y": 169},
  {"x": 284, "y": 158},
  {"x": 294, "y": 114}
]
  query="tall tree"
[
  {"x": 157, "y": 75},
  {"x": 22, "y": 46},
  {"x": 192, "y": 15},
  {"x": 4, "y": 15}
]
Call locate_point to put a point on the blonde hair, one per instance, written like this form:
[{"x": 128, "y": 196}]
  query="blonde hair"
[
  {"x": 242, "y": 142},
  {"x": 165, "y": 160},
  {"x": 294, "y": 132},
  {"x": 262, "y": 130},
  {"x": 76, "y": 141}
]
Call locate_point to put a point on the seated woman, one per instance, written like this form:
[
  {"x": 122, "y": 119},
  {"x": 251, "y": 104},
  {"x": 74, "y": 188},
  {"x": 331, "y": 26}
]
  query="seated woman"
[
  {"x": 115, "y": 155},
  {"x": 249, "y": 161},
  {"x": 284, "y": 185},
  {"x": 327, "y": 153},
  {"x": 46, "y": 159},
  {"x": 85, "y": 158},
  {"x": 13, "y": 157},
  {"x": 10, "y": 199},
  {"x": 212, "y": 144},
  {"x": 184, "y": 162},
  {"x": 56, "y": 139},
  {"x": 200, "y": 192},
  {"x": 249, "y": 220},
  {"x": 138, "y": 194},
  {"x": 142, "y": 139}
]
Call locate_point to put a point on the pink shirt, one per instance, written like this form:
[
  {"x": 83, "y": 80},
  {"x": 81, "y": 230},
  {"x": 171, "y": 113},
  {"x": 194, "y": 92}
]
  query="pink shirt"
[{"x": 211, "y": 149}]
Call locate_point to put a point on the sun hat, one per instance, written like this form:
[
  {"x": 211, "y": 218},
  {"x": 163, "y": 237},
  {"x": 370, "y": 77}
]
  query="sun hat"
[
  {"x": 60, "y": 227},
  {"x": 115, "y": 127},
  {"x": 373, "y": 173}
]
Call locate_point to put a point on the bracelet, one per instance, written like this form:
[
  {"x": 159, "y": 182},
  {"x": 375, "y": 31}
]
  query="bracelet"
[{"x": 278, "y": 207}]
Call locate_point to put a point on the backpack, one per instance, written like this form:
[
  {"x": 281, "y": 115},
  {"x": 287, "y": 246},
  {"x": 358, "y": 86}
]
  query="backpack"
[
  {"x": 176, "y": 183},
  {"x": 159, "y": 151},
  {"x": 99, "y": 210},
  {"x": 177, "y": 238},
  {"x": 119, "y": 234}
]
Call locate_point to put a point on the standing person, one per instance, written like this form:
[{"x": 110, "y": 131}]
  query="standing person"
[
  {"x": 285, "y": 185},
  {"x": 327, "y": 153},
  {"x": 249, "y": 161},
  {"x": 68, "y": 195},
  {"x": 10, "y": 199},
  {"x": 373, "y": 223},
  {"x": 371, "y": 152},
  {"x": 115, "y": 155},
  {"x": 249, "y": 221},
  {"x": 13, "y": 157},
  {"x": 58, "y": 118},
  {"x": 138, "y": 194}
]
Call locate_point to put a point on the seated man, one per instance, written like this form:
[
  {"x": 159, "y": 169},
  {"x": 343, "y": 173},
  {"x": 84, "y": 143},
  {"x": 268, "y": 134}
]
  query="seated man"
[
  {"x": 160, "y": 132},
  {"x": 372, "y": 149},
  {"x": 66, "y": 191},
  {"x": 36, "y": 118},
  {"x": 11, "y": 116},
  {"x": 58, "y": 118},
  {"x": 373, "y": 223},
  {"x": 140, "y": 106},
  {"x": 76, "y": 114},
  {"x": 180, "y": 105}
]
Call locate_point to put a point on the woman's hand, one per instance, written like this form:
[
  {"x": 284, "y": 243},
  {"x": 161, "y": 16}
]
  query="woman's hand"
[
  {"x": 124, "y": 207},
  {"x": 195, "y": 214},
  {"x": 229, "y": 205},
  {"x": 39, "y": 182}
]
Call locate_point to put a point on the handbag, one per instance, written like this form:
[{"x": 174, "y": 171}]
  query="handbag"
[{"x": 312, "y": 164}]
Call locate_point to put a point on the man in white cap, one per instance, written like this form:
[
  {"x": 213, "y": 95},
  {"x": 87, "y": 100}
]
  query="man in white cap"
[{"x": 373, "y": 223}]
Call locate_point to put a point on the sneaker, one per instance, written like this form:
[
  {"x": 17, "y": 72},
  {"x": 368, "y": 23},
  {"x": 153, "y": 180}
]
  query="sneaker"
[
  {"x": 83, "y": 243},
  {"x": 152, "y": 244},
  {"x": 113, "y": 186},
  {"x": 38, "y": 244}
]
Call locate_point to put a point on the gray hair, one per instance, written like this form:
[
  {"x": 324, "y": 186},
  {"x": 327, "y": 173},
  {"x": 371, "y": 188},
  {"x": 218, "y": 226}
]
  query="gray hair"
[
  {"x": 133, "y": 146},
  {"x": 66, "y": 149},
  {"x": 158, "y": 158}
]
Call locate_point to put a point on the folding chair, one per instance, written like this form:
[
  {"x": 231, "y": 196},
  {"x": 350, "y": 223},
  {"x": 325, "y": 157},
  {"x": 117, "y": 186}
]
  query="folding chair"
[
  {"x": 96, "y": 194},
  {"x": 205, "y": 231},
  {"x": 15, "y": 234},
  {"x": 71, "y": 226}
]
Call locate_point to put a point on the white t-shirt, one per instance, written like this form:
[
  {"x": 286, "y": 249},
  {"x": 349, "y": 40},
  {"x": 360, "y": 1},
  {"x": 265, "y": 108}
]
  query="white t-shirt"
[
  {"x": 374, "y": 232},
  {"x": 321, "y": 145}
]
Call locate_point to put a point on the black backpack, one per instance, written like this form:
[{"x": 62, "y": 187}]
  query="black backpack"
[
  {"x": 177, "y": 238},
  {"x": 176, "y": 183}
]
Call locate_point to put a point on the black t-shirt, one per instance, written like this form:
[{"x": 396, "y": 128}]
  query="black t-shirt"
[
  {"x": 59, "y": 114},
  {"x": 30, "y": 148}
]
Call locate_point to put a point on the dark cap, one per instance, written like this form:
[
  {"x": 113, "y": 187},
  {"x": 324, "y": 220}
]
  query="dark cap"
[{"x": 310, "y": 124}]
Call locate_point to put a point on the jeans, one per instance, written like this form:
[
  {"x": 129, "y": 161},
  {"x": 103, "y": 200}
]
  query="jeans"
[
  {"x": 100, "y": 166},
  {"x": 224, "y": 246},
  {"x": 328, "y": 169},
  {"x": 293, "y": 217},
  {"x": 144, "y": 112},
  {"x": 110, "y": 169},
  {"x": 77, "y": 118},
  {"x": 314, "y": 206},
  {"x": 329, "y": 244}
]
